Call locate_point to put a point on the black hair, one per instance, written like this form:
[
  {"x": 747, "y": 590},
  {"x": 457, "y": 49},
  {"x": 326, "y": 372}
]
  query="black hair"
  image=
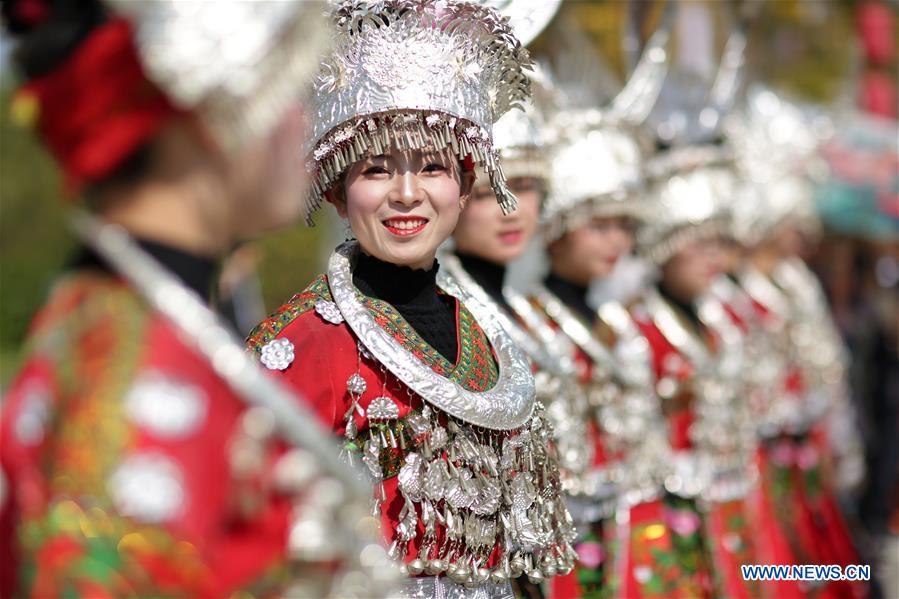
[{"x": 44, "y": 44}]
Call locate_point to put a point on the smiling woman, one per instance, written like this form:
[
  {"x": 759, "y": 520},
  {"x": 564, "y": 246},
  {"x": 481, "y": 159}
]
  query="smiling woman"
[
  {"x": 438, "y": 405},
  {"x": 402, "y": 205}
]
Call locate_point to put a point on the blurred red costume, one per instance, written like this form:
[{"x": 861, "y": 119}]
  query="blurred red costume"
[
  {"x": 115, "y": 440},
  {"x": 720, "y": 536}
]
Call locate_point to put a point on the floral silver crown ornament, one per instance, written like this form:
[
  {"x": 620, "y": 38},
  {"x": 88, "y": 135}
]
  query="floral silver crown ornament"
[
  {"x": 414, "y": 74},
  {"x": 685, "y": 207},
  {"x": 598, "y": 158},
  {"x": 236, "y": 63}
]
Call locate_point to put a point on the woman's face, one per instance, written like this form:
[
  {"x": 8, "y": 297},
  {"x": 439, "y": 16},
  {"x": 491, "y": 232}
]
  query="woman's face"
[
  {"x": 486, "y": 232},
  {"x": 267, "y": 179},
  {"x": 402, "y": 205},
  {"x": 788, "y": 239},
  {"x": 593, "y": 250},
  {"x": 691, "y": 271},
  {"x": 732, "y": 255}
]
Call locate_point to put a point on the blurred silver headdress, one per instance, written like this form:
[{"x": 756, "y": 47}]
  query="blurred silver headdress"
[
  {"x": 686, "y": 206},
  {"x": 522, "y": 137},
  {"x": 596, "y": 171},
  {"x": 776, "y": 145},
  {"x": 692, "y": 184},
  {"x": 236, "y": 64},
  {"x": 597, "y": 163},
  {"x": 766, "y": 205},
  {"x": 418, "y": 74}
]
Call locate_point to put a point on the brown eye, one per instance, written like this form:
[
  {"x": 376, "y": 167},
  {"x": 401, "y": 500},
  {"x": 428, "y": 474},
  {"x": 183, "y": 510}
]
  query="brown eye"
[
  {"x": 434, "y": 167},
  {"x": 375, "y": 170}
]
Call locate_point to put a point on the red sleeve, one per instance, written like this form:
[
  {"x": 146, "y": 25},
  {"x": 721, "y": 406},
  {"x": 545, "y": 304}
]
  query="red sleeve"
[
  {"x": 321, "y": 352},
  {"x": 115, "y": 441}
]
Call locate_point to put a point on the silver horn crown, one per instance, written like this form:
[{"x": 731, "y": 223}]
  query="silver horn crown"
[
  {"x": 597, "y": 166},
  {"x": 692, "y": 182}
]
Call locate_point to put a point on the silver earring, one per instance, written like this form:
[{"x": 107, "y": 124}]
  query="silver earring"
[{"x": 348, "y": 232}]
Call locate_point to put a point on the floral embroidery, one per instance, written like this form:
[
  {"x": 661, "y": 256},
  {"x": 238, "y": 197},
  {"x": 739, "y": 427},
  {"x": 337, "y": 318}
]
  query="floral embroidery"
[
  {"x": 299, "y": 304},
  {"x": 476, "y": 370}
]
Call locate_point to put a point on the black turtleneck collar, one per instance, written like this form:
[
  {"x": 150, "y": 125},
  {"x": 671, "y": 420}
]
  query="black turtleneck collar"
[
  {"x": 413, "y": 292},
  {"x": 687, "y": 309},
  {"x": 572, "y": 295},
  {"x": 489, "y": 275},
  {"x": 194, "y": 271}
]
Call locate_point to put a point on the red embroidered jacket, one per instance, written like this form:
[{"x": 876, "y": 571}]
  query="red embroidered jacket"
[
  {"x": 115, "y": 443},
  {"x": 327, "y": 355}
]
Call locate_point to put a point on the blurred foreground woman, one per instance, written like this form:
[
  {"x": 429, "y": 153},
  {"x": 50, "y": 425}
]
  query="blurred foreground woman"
[{"x": 132, "y": 465}]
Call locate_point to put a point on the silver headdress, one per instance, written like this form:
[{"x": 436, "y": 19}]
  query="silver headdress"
[
  {"x": 418, "y": 74},
  {"x": 523, "y": 138},
  {"x": 765, "y": 205},
  {"x": 596, "y": 171},
  {"x": 236, "y": 64},
  {"x": 598, "y": 159},
  {"x": 685, "y": 207},
  {"x": 776, "y": 147},
  {"x": 692, "y": 181}
]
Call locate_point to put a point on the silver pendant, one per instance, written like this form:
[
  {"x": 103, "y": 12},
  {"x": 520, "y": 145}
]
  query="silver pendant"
[
  {"x": 382, "y": 408},
  {"x": 328, "y": 311},
  {"x": 277, "y": 354},
  {"x": 356, "y": 384}
]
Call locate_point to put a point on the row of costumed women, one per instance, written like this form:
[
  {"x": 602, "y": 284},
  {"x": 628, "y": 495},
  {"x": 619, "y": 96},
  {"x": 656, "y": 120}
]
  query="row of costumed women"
[{"x": 409, "y": 425}]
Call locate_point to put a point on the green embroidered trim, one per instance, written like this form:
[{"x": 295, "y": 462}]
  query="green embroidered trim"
[
  {"x": 475, "y": 371},
  {"x": 298, "y": 305}
]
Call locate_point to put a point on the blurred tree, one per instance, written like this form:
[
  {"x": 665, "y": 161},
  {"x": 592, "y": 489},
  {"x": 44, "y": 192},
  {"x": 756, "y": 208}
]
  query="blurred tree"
[
  {"x": 34, "y": 241},
  {"x": 292, "y": 258}
]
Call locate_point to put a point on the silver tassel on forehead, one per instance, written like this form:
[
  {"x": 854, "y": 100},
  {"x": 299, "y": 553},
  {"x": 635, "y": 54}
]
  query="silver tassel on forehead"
[{"x": 414, "y": 75}]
